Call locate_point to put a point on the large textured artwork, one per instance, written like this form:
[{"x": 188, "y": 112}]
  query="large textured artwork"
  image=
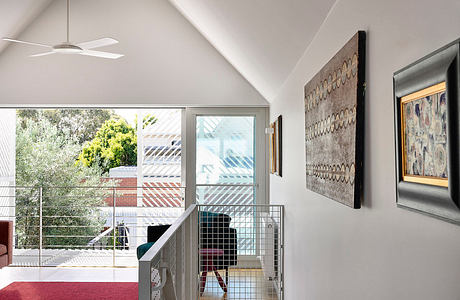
[
  {"x": 424, "y": 125},
  {"x": 334, "y": 120}
]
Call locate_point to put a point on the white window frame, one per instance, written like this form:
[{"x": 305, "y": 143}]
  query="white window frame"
[{"x": 261, "y": 154}]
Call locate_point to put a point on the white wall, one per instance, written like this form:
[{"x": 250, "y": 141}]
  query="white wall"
[
  {"x": 379, "y": 251},
  {"x": 167, "y": 60}
]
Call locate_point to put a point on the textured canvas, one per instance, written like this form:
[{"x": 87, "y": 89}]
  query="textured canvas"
[
  {"x": 425, "y": 136},
  {"x": 334, "y": 111}
]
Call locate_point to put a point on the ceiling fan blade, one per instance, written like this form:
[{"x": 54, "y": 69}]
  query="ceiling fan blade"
[
  {"x": 101, "y": 54},
  {"x": 27, "y": 43},
  {"x": 41, "y": 54},
  {"x": 97, "y": 43}
]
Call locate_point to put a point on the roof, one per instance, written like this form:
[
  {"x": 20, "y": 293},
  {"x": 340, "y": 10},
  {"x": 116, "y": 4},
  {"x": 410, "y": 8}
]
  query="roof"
[{"x": 123, "y": 172}]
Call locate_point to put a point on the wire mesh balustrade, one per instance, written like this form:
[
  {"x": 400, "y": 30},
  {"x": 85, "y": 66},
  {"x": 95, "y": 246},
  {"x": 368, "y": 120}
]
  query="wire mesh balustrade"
[
  {"x": 227, "y": 267},
  {"x": 200, "y": 250}
]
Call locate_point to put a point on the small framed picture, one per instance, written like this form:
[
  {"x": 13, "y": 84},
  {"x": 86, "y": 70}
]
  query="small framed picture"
[
  {"x": 276, "y": 147},
  {"x": 427, "y": 134}
]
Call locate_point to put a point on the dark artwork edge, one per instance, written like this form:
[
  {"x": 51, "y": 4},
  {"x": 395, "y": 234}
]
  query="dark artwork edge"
[
  {"x": 360, "y": 112},
  {"x": 280, "y": 146}
]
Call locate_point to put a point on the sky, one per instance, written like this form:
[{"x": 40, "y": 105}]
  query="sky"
[{"x": 128, "y": 114}]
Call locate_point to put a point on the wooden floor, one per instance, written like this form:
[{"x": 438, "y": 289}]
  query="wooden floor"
[{"x": 242, "y": 284}]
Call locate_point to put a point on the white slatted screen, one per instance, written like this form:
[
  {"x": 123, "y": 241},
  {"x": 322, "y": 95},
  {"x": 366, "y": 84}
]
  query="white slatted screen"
[
  {"x": 7, "y": 162},
  {"x": 159, "y": 143}
]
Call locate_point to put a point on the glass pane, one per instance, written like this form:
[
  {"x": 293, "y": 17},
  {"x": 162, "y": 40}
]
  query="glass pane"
[
  {"x": 225, "y": 150},
  {"x": 225, "y": 166}
]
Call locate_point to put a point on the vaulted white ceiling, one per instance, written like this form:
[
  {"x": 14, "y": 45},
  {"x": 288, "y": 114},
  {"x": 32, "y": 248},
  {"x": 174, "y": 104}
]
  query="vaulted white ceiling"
[
  {"x": 16, "y": 15},
  {"x": 167, "y": 61},
  {"x": 262, "y": 39}
]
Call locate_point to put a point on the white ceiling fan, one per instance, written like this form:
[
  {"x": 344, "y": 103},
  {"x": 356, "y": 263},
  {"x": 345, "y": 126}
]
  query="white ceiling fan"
[{"x": 70, "y": 48}]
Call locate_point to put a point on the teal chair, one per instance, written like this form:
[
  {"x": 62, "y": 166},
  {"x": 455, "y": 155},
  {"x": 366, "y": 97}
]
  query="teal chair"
[{"x": 153, "y": 234}]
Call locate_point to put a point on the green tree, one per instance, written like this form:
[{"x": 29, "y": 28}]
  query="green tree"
[
  {"x": 82, "y": 124},
  {"x": 45, "y": 157},
  {"x": 114, "y": 145},
  {"x": 147, "y": 120}
]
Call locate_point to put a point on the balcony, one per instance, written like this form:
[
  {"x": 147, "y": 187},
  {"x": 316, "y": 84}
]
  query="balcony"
[
  {"x": 245, "y": 241},
  {"x": 56, "y": 227}
]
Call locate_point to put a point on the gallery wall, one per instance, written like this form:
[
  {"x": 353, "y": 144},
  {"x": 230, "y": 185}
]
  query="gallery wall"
[
  {"x": 167, "y": 61},
  {"x": 379, "y": 251}
]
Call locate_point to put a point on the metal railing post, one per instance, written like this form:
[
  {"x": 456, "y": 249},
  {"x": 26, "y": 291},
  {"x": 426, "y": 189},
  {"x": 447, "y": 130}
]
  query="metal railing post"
[
  {"x": 194, "y": 232},
  {"x": 180, "y": 274},
  {"x": 114, "y": 225},
  {"x": 40, "y": 228},
  {"x": 190, "y": 245},
  {"x": 145, "y": 281}
]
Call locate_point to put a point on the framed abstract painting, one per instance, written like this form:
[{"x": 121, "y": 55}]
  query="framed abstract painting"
[{"x": 427, "y": 134}]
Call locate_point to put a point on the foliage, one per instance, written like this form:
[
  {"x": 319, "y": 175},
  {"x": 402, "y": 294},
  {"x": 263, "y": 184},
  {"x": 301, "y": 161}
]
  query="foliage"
[
  {"x": 45, "y": 157},
  {"x": 147, "y": 120},
  {"x": 81, "y": 124},
  {"x": 115, "y": 144}
]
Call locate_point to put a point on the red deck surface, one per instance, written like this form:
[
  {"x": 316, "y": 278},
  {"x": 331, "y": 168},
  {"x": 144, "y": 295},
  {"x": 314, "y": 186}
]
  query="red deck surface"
[{"x": 70, "y": 290}]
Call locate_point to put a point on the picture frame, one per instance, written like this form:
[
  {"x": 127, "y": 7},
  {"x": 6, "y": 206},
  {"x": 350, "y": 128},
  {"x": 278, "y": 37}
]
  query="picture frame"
[
  {"x": 276, "y": 147},
  {"x": 334, "y": 102},
  {"x": 426, "y": 116}
]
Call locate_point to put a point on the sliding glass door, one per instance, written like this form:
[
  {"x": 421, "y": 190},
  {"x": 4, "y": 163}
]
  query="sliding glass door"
[{"x": 226, "y": 168}]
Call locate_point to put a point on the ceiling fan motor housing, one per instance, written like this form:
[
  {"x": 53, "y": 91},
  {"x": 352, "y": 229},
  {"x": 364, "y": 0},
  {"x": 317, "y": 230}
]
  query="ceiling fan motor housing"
[{"x": 67, "y": 49}]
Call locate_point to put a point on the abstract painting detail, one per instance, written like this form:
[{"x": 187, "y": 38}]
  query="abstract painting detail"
[
  {"x": 334, "y": 113},
  {"x": 424, "y": 120}
]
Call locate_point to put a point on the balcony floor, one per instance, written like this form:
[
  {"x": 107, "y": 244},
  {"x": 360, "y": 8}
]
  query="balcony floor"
[
  {"x": 74, "y": 258},
  {"x": 243, "y": 283},
  {"x": 12, "y": 274}
]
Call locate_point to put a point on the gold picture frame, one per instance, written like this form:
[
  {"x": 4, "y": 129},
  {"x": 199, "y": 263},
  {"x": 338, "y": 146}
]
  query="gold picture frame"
[
  {"x": 431, "y": 91},
  {"x": 276, "y": 147}
]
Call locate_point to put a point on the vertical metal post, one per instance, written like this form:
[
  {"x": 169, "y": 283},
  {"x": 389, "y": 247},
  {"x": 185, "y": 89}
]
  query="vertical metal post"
[
  {"x": 180, "y": 274},
  {"x": 281, "y": 258},
  {"x": 114, "y": 197},
  {"x": 40, "y": 227},
  {"x": 189, "y": 288},
  {"x": 137, "y": 230},
  {"x": 195, "y": 233},
  {"x": 145, "y": 280}
]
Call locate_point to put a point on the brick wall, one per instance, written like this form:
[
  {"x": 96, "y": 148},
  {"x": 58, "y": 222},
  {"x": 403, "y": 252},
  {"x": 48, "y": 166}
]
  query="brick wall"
[{"x": 126, "y": 191}]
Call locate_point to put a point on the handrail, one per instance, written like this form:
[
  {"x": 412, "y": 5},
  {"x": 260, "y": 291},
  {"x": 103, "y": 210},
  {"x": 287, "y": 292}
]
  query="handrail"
[
  {"x": 241, "y": 205},
  {"x": 179, "y": 236},
  {"x": 131, "y": 187},
  {"x": 92, "y": 187},
  {"x": 161, "y": 242},
  {"x": 228, "y": 184},
  {"x": 100, "y": 236}
]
